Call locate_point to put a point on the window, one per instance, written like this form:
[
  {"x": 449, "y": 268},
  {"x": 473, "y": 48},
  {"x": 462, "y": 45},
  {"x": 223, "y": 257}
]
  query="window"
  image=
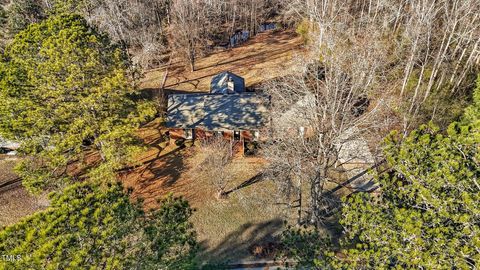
[{"x": 236, "y": 135}]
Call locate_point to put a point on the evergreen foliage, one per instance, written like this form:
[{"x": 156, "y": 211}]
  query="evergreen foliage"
[
  {"x": 307, "y": 247},
  {"x": 90, "y": 227},
  {"x": 67, "y": 93},
  {"x": 426, "y": 215}
]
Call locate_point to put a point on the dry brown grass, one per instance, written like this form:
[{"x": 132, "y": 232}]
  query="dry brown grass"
[
  {"x": 6, "y": 169},
  {"x": 261, "y": 58},
  {"x": 227, "y": 228},
  {"x": 16, "y": 203}
]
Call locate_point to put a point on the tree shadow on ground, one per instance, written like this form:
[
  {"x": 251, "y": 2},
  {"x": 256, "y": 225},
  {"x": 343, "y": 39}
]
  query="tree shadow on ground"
[
  {"x": 238, "y": 245},
  {"x": 255, "y": 179},
  {"x": 168, "y": 169}
]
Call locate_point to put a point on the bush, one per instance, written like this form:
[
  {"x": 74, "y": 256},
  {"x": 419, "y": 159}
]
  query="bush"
[{"x": 303, "y": 29}]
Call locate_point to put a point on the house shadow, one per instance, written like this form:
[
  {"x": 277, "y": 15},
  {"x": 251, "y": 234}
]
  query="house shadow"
[{"x": 242, "y": 245}]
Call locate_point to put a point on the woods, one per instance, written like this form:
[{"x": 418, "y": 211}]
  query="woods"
[
  {"x": 89, "y": 227},
  {"x": 67, "y": 91},
  {"x": 355, "y": 128},
  {"x": 426, "y": 215}
]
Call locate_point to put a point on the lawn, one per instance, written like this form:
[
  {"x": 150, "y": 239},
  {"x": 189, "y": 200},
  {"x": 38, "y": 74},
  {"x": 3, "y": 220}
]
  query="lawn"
[
  {"x": 262, "y": 58},
  {"x": 228, "y": 229}
]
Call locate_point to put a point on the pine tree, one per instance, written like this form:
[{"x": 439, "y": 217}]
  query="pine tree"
[
  {"x": 427, "y": 214},
  {"x": 67, "y": 94},
  {"x": 92, "y": 227}
]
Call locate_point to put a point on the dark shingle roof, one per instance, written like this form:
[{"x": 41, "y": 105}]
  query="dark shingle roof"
[
  {"x": 217, "y": 112},
  {"x": 218, "y": 84}
]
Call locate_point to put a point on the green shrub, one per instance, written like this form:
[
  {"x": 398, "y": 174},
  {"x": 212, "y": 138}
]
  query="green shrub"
[{"x": 303, "y": 29}]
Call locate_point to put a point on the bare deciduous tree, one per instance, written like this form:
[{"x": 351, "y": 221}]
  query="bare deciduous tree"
[
  {"x": 218, "y": 155},
  {"x": 139, "y": 24},
  {"x": 315, "y": 113},
  {"x": 188, "y": 36},
  {"x": 432, "y": 46}
]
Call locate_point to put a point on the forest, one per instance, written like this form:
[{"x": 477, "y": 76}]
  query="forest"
[{"x": 355, "y": 143}]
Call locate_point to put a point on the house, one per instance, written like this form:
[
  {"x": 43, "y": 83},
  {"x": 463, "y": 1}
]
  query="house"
[
  {"x": 227, "y": 83},
  {"x": 226, "y": 111}
]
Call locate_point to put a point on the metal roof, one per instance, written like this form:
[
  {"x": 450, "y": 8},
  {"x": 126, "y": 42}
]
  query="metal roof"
[
  {"x": 247, "y": 111},
  {"x": 9, "y": 144},
  {"x": 219, "y": 85}
]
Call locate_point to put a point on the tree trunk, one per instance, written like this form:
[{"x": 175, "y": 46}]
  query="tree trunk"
[
  {"x": 192, "y": 61},
  {"x": 316, "y": 191},
  {"x": 192, "y": 65},
  {"x": 222, "y": 195}
]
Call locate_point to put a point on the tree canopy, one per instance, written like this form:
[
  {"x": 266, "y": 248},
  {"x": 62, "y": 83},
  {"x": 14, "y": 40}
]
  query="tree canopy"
[
  {"x": 88, "y": 227},
  {"x": 21, "y": 13},
  {"x": 67, "y": 92},
  {"x": 427, "y": 213}
]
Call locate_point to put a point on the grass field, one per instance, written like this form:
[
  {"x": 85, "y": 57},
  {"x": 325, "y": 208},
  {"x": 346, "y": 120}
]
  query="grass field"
[
  {"x": 228, "y": 229},
  {"x": 262, "y": 58}
]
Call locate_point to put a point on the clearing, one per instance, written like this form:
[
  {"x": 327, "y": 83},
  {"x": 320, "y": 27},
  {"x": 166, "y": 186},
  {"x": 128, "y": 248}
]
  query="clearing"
[
  {"x": 244, "y": 224},
  {"x": 229, "y": 230},
  {"x": 261, "y": 58}
]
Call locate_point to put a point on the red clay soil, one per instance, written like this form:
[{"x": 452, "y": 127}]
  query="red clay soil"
[
  {"x": 263, "y": 57},
  {"x": 160, "y": 176},
  {"x": 170, "y": 170}
]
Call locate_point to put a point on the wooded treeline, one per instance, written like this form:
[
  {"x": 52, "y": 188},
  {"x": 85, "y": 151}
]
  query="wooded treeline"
[
  {"x": 409, "y": 62},
  {"x": 370, "y": 67},
  {"x": 155, "y": 30}
]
